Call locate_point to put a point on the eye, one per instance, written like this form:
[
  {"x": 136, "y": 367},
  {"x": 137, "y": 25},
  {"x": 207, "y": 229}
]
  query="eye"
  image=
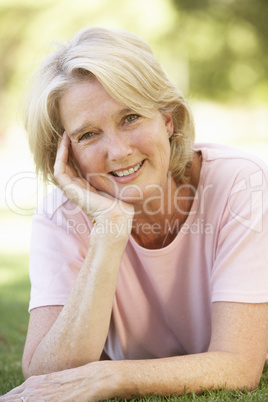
[
  {"x": 131, "y": 117},
  {"x": 86, "y": 136}
]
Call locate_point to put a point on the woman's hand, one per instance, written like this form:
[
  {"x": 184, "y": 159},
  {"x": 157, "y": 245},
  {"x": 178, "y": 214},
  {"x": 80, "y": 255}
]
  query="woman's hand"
[
  {"x": 92, "y": 382},
  {"x": 96, "y": 204},
  {"x": 75, "y": 335},
  {"x": 235, "y": 359}
]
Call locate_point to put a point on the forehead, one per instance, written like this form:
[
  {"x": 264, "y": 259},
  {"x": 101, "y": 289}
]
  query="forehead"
[
  {"x": 86, "y": 97},
  {"x": 83, "y": 90},
  {"x": 86, "y": 105}
]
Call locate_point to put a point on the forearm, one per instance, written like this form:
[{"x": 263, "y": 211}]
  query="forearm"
[
  {"x": 193, "y": 373},
  {"x": 125, "y": 379},
  {"x": 79, "y": 333}
]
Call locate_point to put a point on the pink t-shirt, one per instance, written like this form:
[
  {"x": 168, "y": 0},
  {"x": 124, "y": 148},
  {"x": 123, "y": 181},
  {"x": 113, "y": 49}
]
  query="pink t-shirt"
[{"x": 162, "y": 305}]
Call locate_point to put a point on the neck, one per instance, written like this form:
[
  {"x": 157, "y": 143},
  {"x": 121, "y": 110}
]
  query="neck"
[
  {"x": 158, "y": 223},
  {"x": 159, "y": 220}
]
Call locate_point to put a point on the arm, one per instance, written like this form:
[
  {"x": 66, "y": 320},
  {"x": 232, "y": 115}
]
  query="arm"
[
  {"x": 79, "y": 332},
  {"x": 60, "y": 338},
  {"x": 235, "y": 359}
]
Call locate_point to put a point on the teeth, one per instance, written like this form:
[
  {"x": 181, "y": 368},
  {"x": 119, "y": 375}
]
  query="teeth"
[{"x": 121, "y": 173}]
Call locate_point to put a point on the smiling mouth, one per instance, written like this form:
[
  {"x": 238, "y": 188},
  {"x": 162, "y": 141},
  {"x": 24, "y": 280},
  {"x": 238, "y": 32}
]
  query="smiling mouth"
[{"x": 127, "y": 172}]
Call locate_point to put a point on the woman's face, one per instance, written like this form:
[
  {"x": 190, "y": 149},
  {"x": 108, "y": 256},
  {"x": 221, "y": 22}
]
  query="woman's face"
[{"x": 119, "y": 152}]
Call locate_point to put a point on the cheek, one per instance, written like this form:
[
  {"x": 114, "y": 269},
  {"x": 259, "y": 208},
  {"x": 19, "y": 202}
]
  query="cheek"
[
  {"x": 91, "y": 166},
  {"x": 83, "y": 159},
  {"x": 162, "y": 150}
]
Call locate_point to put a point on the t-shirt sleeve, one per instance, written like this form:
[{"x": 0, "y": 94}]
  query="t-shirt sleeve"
[
  {"x": 57, "y": 251},
  {"x": 240, "y": 270}
]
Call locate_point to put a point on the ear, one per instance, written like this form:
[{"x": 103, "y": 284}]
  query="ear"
[{"x": 168, "y": 119}]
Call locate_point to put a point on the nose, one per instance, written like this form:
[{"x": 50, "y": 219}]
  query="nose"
[{"x": 118, "y": 146}]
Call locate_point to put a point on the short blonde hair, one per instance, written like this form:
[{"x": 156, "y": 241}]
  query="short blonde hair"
[{"x": 126, "y": 67}]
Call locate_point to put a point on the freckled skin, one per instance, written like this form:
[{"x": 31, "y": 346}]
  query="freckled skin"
[
  {"x": 115, "y": 144},
  {"x": 239, "y": 338}
]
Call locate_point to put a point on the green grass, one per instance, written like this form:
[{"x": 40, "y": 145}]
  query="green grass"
[{"x": 14, "y": 297}]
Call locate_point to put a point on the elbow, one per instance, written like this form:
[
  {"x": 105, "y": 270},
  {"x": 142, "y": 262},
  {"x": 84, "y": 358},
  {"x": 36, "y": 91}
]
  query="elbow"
[
  {"x": 236, "y": 372},
  {"x": 245, "y": 385},
  {"x": 246, "y": 379},
  {"x": 251, "y": 382},
  {"x": 242, "y": 384},
  {"x": 251, "y": 375},
  {"x": 26, "y": 373},
  {"x": 27, "y": 370},
  {"x": 30, "y": 367}
]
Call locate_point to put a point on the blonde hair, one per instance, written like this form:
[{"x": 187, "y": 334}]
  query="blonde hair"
[{"x": 126, "y": 67}]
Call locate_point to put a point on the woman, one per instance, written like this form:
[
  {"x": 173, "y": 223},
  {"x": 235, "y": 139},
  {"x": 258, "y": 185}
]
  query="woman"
[{"x": 149, "y": 261}]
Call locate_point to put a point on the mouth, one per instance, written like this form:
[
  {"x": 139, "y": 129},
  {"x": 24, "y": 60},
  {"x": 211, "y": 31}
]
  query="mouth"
[{"x": 127, "y": 172}]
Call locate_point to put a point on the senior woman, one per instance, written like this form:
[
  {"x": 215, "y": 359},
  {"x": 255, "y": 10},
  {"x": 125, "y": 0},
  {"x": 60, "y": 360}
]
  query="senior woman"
[{"x": 149, "y": 260}]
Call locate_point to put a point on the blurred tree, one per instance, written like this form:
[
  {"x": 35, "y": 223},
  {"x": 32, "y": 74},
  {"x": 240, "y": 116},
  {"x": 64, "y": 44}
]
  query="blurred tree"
[
  {"x": 212, "y": 48},
  {"x": 225, "y": 43},
  {"x": 14, "y": 23},
  {"x": 28, "y": 27}
]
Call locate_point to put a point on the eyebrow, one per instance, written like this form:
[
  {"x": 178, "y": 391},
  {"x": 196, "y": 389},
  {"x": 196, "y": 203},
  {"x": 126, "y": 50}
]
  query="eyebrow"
[
  {"x": 85, "y": 126},
  {"x": 81, "y": 129}
]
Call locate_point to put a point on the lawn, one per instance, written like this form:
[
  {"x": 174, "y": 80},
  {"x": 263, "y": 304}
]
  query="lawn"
[{"x": 14, "y": 296}]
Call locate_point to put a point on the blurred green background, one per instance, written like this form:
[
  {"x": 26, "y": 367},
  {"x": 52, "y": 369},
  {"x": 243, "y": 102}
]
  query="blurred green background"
[{"x": 216, "y": 52}]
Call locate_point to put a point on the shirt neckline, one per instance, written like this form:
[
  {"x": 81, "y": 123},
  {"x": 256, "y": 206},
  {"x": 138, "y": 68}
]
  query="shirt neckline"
[{"x": 189, "y": 221}]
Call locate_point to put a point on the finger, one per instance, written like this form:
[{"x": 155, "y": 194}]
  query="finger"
[
  {"x": 70, "y": 170},
  {"x": 13, "y": 394},
  {"x": 62, "y": 155},
  {"x": 72, "y": 162},
  {"x": 61, "y": 162}
]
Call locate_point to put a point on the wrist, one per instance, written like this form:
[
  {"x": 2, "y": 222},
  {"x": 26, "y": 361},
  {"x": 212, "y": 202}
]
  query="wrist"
[
  {"x": 126, "y": 380},
  {"x": 112, "y": 230},
  {"x": 120, "y": 376}
]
